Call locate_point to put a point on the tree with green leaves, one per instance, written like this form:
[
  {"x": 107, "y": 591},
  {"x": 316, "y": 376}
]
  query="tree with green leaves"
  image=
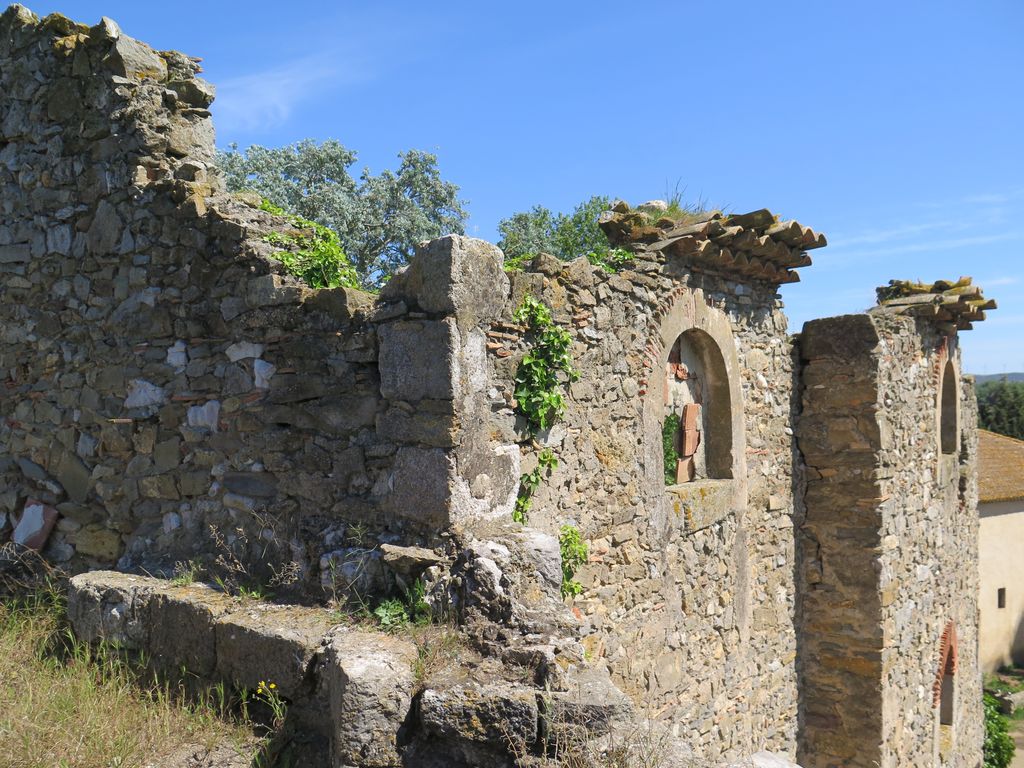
[
  {"x": 566, "y": 236},
  {"x": 1001, "y": 407},
  {"x": 378, "y": 219}
]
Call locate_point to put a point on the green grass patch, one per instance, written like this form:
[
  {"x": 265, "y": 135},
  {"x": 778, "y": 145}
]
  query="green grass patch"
[{"x": 64, "y": 703}]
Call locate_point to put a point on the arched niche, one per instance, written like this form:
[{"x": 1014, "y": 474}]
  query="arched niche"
[
  {"x": 698, "y": 336},
  {"x": 949, "y": 428},
  {"x": 698, "y": 406}
]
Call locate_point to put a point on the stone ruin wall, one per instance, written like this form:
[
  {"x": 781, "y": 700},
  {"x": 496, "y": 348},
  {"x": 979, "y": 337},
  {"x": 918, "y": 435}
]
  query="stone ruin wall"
[
  {"x": 693, "y": 616},
  {"x": 929, "y": 576},
  {"x": 161, "y": 375},
  {"x": 889, "y": 546}
]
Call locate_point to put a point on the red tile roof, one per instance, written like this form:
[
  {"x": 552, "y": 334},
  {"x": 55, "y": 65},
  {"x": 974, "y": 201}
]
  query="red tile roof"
[{"x": 1000, "y": 467}]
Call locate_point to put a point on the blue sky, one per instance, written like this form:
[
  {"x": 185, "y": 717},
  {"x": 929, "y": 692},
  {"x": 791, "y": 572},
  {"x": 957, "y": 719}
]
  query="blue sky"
[{"x": 893, "y": 127}]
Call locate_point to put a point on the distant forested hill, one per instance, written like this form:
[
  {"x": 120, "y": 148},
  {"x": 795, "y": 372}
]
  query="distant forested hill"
[{"x": 983, "y": 378}]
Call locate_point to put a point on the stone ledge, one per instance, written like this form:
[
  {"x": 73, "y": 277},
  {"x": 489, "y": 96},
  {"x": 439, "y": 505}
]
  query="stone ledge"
[{"x": 702, "y": 503}]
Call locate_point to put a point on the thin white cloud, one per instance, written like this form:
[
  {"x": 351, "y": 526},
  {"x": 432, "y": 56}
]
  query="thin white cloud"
[
  {"x": 267, "y": 99},
  {"x": 877, "y": 236},
  {"x": 941, "y": 244},
  {"x": 986, "y": 283}
]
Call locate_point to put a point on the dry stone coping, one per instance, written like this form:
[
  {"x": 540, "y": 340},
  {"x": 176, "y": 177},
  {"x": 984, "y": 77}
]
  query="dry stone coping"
[
  {"x": 200, "y": 628},
  {"x": 357, "y": 686},
  {"x": 270, "y": 642}
]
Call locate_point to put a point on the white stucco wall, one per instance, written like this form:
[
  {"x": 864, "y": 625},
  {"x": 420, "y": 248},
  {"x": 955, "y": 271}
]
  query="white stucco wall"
[{"x": 1001, "y": 555}]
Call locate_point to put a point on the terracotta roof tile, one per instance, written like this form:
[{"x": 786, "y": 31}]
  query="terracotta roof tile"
[
  {"x": 957, "y": 305},
  {"x": 753, "y": 245},
  {"x": 1000, "y": 467}
]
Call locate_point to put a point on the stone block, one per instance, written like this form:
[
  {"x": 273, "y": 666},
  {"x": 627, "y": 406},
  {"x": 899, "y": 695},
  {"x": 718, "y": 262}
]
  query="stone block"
[
  {"x": 37, "y": 521},
  {"x": 182, "y": 624},
  {"x": 97, "y": 541},
  {"x": 274, "y": 290},
  {"x": 370, "y": 684},
  {"x": 438, "y": 430},
  {"x": 409, "y": 562},
  {"x": 418, "y": 359},
  {"x": 136, "y": 61},
  {"x": 691, "y": 439},
  {"x": 270, "y": 643},
  {"x": 455, "y": 275},
  {"x": 112, "y": 607},
  {"x": 259, "y": 484},
  {"x": 341, "y": 303},
  {"x": 691, "y": 416},
  {"x": 590, "y": 700},
  {"x": 71, "y": 472},
  {"x": 340, "y": 414},
  {"x": 844, "y": 338},
  {"x": 18, "y": 253},
  {"x": 420, "y": 486},
  {"x": 472, "y": 714},
  {"x": 105, "y": 231}
]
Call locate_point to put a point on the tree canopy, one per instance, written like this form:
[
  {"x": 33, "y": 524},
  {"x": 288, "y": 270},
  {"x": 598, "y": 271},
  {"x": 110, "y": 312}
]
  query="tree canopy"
[
  {"x": 378, "y": 219},
  {"x": 1001, "y": 407},
  {"x": 566, "y": 236}
]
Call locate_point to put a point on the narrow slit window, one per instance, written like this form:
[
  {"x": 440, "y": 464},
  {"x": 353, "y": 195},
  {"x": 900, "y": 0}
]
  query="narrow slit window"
[
  {"x": 948, "y": 428},
  {"x": 1001, "y": 597}
]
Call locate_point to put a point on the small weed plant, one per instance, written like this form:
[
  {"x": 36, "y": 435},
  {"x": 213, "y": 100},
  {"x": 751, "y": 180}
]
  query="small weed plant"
[
  {"x": 398, "y": 613},
  {"x": 313, "y": 253},
  {"x": 268, "y": 694},
  {"x": 610, "y": 261},
  {"x": 574, "y": 554},
  {"x": 186, "y": 573},
  {"x": 668, "y": 441},
  {"x": 530, "y": 481}
]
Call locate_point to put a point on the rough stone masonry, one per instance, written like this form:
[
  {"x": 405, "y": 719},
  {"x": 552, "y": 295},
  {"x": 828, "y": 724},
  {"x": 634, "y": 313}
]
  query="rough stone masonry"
[{"x": 803, "y": 581}]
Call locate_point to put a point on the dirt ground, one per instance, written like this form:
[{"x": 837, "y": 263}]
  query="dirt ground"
[{"x": 1017, "y": 732}]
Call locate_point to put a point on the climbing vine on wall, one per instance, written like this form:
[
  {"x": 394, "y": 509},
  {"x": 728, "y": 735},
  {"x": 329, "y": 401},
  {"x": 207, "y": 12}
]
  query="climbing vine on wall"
[
  {"x": 544, "y": 372},
  {"x": 540, "y": 379},
  {"x": 545, "y": 369}
]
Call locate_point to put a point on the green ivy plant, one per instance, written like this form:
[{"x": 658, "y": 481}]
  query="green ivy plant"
[
  {"x": 314, "y": 253},
  {"x": 540, "y": 379},
  {"x": 574, "y": 553},
  {"x": 546, "y": 367}
]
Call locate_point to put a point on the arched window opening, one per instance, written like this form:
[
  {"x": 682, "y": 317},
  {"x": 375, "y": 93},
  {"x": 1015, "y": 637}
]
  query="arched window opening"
[
  {"x": 948, "y": 429},
  {"x": 697, "y": 424},
  {"x": 944, "y": 689},
  {"x": 946, "y": 693}
]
